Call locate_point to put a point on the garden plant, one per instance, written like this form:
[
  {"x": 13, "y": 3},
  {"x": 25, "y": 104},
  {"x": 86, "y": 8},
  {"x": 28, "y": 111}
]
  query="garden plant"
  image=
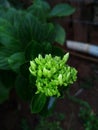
[
  {"x": 33, "y": 66},
  {"x": 24, "y": 35}
]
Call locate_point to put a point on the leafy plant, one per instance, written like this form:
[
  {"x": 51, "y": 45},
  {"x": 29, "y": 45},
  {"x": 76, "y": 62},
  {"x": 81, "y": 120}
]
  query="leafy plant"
[
  {"x": 47, "y": 125},
  {"x": 24, "y": 125},
  {"x": 23, "y": 35},
  {"x": 52, "y": 122},
  {"x": 89, "y": 118},
  {"x": 86, "y": 114},
  {"x": 52, "y": 75},
  {"x": 17, "y": 4}
]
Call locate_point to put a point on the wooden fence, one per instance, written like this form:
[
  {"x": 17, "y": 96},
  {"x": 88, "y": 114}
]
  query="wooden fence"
[{"x": 83, "y": 24}]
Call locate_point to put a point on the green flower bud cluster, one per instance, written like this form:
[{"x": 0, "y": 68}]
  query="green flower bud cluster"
[{"x": 52, "y": 73}]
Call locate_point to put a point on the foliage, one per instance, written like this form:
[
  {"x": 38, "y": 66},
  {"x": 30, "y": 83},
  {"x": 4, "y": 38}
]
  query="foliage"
[
  {"x": 17, "y": 4},
  {"x": 46, "y": 125},
  {"x": 52, "y": 122},
  {"x": 24, "y": 125},
  {"x": 4, "y": 93},
  {"x": 59, "y": 10},
  {"x": 86, "y": 114},
  {"x": 51, "y": 73},
  {"x": 89, "y": 118},
  {"x": 4, "y": 4},
  {"x": 23, "y": 35}
]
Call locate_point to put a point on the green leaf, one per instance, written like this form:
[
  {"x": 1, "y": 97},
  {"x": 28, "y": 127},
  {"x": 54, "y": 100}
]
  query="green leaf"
[
  {"x": 36, "y": 48},
  {"x": 16, "y": 60},
  {"x": 17, "y": 3},
  {"x": 4, "y": 3},
  {"x": 2, "y": 10},
  {"x": 34, "y": 30},
  {"x": 40, "y": 9},
  {"x": 12, "y": 15},
  {"x": 7, "y": 57},
  {"x": 7, "y": 38},
  {"x": 8, "y": 41},
  {"x": 60, "y": 34},
  {"x": 62, "y": 10},
  {"x": 4, "y": 54},
  {"x": 4, "y": 23},
  {"x": 4, "y": 93},
  {"x": 38, "y": 102},
  {"x": 32, "y": 50}
]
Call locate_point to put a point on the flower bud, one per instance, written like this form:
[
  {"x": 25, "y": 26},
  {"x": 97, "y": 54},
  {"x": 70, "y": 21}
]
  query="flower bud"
[
  {"x": 33, "y": 65},
  {"x": 51, "y": 73},
  {"x": 65, "y": 58},
  {"x": 32, "y": 72},
  {"x": 60, "y": 80},
  {"x": 40, "y": 57},
  {"x": 37, "y": 60},
  {"x": 49, "y": 92},
  {"x": 39, "y": 73},
  {"x": 48, "y": 56},
  {"x": 68, "y": 76},
  {"x": 46, "y": 72}
]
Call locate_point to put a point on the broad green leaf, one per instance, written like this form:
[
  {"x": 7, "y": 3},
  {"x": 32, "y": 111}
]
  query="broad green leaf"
[
  {"x": 2, "y": 10},
  {"x": 60, "y": 34},
  {"x": 12, "y": 15},
  {"x": 4, "y": 93},
  {"x": 16, "y": 60},
  {"x": 9, "y": 41},
  {"x": 4, "y": 23},
  {"x": 17, "y": 3},
  {"x": 4, "y": 3},
  {"x": 4, "y": 55},
  {"x": 40, "y": 9},
  {"x": 33, "y": 29},
  {"x": 32, "y": 50},
  {"x": 22, "y": 29},
  {"x": 38, "y": 102},
  {"x": 62, "y": 10},
  {"x": 7, "y": 38},
  {"x": 36, "y": 48}
]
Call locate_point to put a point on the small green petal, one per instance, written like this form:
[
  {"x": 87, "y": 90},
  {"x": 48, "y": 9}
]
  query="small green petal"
[{"x": 65, "y": 58}]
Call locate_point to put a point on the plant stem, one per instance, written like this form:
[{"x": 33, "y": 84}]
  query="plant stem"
[{"x": 77, "y": 100}]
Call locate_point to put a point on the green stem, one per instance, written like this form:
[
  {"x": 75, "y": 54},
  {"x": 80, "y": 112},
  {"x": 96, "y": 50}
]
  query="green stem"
[{"x": 77, "y": 100}]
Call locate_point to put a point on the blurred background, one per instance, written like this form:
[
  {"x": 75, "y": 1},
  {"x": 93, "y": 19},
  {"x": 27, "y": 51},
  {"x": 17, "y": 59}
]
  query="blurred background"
[{"x": 82, "y": 43}]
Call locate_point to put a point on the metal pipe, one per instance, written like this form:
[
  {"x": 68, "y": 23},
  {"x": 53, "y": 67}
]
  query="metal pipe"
[{"x": 83, "y": 47}]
